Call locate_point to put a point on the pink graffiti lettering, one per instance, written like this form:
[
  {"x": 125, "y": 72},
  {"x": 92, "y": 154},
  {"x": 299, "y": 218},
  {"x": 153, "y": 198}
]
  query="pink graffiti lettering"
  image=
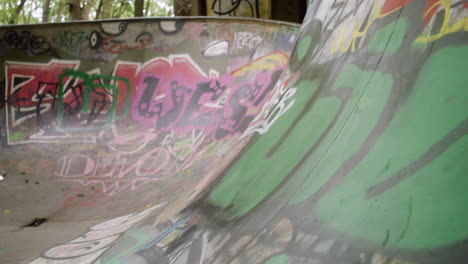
[
  {"x": 167, "y": 101},
  {"x": 113, "y": 172}
]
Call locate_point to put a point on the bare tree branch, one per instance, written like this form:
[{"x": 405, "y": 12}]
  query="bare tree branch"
[
  {"x": 99, "y": 9},
  {"x": 106, "y": 9},
  {"x": 75, "y": 10},
  {"x": 45, "y": 11},
  {"x": 17, "y": 12}
]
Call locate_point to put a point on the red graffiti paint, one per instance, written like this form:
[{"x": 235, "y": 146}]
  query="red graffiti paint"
[
  {"x": 166, "y": 94},
  {"x": 115, "y": 46},
  {"x": 129, "y": 71},
  {"x": 174, "y": 68},
  {"x": 430, "y": 10},
  {"x": 31, "y": 88},
  {"x": 392, "y": 5},
  {"x": 166, "y": 99}
]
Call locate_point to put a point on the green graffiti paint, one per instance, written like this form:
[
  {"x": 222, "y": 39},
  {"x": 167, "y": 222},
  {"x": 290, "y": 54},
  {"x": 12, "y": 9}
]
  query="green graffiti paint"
[
  {"x": 435, "y": 176},
  {"x": 436, "y": 217},
  {"x": 389, "y": 38},
  {"x": 129, "y": 244},
  {"x": 369, "y": 94},
  {"x": 278, "y": 259},
  {"x": 417, "y": 46},
  {"x": 253, "y": 177},
  {"x": 303, "y": 47},
  {"x": 90, "y": 83},
  {"x": 17, "y": 136}
]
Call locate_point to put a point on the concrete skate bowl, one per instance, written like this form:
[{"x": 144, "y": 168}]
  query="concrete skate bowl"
[{"x": 239, "y": 141}]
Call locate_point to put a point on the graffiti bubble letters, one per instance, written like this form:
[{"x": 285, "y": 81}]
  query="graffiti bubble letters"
[
  {"x": 30, "y": 91},
  {"x": 80, "y": 105},
  {"x": 236, "y": 8},
  {"x": 247, "y": 40},
  {"x": 88, "y": 247},
  {"x": 167, "y": 101},
  {"x": 448, "y": 26},
  {"x": 113, "y": 172},
  {"x": 170, "y": 94},
  {"x": 71, "y": 41},
  {"x": 272, "y": 110},
  {"x": 35, "y": 45},
  {"x": 54, "y": 94},
  {"x": 110, "y": 43}
]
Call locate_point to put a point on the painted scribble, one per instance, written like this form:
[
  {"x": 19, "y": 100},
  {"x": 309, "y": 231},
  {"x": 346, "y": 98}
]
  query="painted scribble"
[
  {"x": 349, "y": 149},
  {"x": 58, "y": 98},
  {"x": 25, "y": 40}
]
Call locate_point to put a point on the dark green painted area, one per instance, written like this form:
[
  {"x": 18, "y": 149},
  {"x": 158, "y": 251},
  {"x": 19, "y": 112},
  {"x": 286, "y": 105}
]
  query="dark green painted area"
[
  {"x": 129, "y": 243},
  {"x": 278, "y": 259},
  {"x": 303, "y": 47},
  {"x": 369, "y": 91},
  {"x": 396, "y": 183},
  {"x": 389, "y": 38},
  {"x": 424, "y": 211},
  {"x": 437, "y": 191},
  {"x": 254, "y": 176},
  {"x": 17, "y": 136}
]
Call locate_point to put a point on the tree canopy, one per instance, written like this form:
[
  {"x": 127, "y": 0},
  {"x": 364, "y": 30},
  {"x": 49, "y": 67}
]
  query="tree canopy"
[{"x": 41, "y": 11}]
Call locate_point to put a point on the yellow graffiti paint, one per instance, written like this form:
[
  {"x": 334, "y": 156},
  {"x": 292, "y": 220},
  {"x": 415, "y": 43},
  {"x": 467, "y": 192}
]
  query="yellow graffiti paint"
[
  {"x": 339, "y": 40},
  {"x": 446, "y": 28},
  {"x": 269, "y": 62}
]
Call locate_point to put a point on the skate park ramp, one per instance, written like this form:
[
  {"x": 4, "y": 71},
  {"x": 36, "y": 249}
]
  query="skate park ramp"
[{"x": 207, "y": 140}]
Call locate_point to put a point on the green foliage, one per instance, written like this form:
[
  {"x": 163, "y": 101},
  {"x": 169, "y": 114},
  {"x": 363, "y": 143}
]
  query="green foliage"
[
  {"x": 28, "y": 14},
  {"x": 159, "y": 8},
  {"x": 59, "y": 10},
  {"x": 7, "y": 10},
  {"x": 122, "y": 9}
]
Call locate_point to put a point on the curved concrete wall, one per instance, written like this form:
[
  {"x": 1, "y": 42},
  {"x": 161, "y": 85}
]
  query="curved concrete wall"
[
  {"x": 350, "y": 149},
  {"x": 105, "y": 119}
]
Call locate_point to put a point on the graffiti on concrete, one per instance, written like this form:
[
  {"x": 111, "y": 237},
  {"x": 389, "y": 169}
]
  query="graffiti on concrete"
[
  {"x": 155, "y": 108},
  {"x": 247, "y": 39},
  {"x": 109, "y": 44},
  {"x": 59, "y": 97},
  {"x": 89, "y": 246},
  {"x": 206, "y": 104},
  {"x": 245, "y": 8},
  {"x": 113, "y": 171},
  {"x": 51, "y": 95},
  {"x": 33, "y": 44},
  {"x": 360, "y": 156},
  {"x": 71, "y": 41},
  {"x": 363, "y": 150}
]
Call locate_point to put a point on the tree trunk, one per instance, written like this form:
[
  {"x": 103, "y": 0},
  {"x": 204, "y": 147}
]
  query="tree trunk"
[
  {"x": 75, "y": 10},
  {"x": 17, "y": 12},
  {"x": 147, "y": 7},
  {"x": 45, "y": 11},
  {"x": 61, "y": 6},
  {"x": 139, "y": 4},
  {"x": 99, "y": 9},
  {"x": 29, "y": 16},
  {"x": 87, "y": 9},
  {"x": 106, "y": 9}
]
